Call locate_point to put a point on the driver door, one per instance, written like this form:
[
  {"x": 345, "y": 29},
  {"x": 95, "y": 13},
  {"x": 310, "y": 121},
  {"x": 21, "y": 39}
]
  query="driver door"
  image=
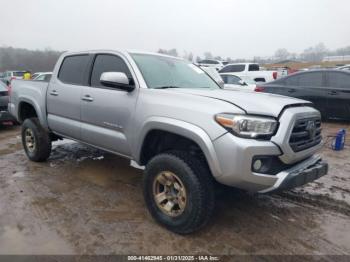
[{"x": 106, "y": 112}]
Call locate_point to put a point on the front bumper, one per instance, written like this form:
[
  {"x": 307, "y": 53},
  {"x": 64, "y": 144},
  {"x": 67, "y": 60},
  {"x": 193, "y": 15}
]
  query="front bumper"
[
  {"x": 235, "y": 156},
  {"x": 300, "y": 174}
]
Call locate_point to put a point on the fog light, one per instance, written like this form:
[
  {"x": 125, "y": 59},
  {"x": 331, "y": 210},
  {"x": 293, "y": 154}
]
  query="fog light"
[{"x": 257, "y": 165}]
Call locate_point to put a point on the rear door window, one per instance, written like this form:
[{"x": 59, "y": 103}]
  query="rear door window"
[
  {"x": 311, "y": 79},
  {"x": 292, "y": 81},
  {"x": 338, "y": 80},
  {"x": 73, "y": 69}
]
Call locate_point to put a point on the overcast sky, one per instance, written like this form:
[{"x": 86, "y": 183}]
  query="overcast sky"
[{"x": 235, "y": 28}]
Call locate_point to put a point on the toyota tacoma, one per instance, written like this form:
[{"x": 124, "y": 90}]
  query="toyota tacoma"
[{"x": 170, "y": 116}]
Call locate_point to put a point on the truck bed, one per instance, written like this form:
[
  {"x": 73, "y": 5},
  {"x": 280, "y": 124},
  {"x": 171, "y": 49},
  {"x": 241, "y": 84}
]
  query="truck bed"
[{"x": 28, "y": 90}]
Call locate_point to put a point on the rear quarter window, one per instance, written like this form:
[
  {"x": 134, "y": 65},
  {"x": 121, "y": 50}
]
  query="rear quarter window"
[{"x": 73, "y": 68}]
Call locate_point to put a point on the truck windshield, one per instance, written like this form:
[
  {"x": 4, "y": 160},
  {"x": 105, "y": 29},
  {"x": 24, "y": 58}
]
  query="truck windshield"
[{"x": 164, "y": 72}]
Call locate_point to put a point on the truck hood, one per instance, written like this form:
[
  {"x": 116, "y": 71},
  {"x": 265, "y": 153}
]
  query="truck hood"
[{"x": 250, "y": 102}]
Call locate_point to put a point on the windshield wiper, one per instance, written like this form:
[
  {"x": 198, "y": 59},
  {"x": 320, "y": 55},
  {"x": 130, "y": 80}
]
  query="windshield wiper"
[{"x": 166, "y": 87}]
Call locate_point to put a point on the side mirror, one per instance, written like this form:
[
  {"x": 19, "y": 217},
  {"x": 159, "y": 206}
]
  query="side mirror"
[{"x": 116, "y": 80}]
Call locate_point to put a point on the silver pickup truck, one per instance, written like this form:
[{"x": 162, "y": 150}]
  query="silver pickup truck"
[{"x": 171, "y": 117}]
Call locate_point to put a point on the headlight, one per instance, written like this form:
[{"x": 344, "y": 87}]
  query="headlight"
[{"x": 248, "y": 126}]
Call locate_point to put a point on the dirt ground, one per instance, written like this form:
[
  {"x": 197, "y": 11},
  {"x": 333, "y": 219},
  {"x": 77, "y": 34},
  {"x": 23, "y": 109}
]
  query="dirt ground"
[{"x": 85, "y": 201}]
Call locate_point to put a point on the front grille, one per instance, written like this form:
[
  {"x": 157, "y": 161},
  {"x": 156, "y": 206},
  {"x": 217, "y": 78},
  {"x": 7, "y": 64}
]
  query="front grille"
[{"x": 306, "y": 133}]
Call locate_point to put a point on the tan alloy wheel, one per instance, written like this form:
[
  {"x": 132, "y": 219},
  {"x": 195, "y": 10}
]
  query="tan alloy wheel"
[
  {"x": 29, "y": 140},
  {"x": 169, "y": 194}
]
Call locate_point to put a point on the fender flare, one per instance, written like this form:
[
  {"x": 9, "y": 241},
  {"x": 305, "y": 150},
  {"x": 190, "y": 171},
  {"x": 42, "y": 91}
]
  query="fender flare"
[
  {"x": 182, "y": 128},
  {"x": 35, "y": 105}
]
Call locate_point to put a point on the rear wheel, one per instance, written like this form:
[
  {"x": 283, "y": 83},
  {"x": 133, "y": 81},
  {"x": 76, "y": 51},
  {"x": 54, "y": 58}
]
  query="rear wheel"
[
  {"x": 36, "y": 140},
  {"x": 179, "y": 191}
]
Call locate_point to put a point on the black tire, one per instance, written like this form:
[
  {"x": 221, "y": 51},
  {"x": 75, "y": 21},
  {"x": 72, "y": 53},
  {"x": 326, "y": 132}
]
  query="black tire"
[
  {"x": 198, "y": 182},
  {"x": 42, "y": 142}
]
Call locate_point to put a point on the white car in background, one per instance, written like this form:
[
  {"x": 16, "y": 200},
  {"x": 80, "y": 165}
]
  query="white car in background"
[
  {"x": 8, "y": 76},
  {"x": 213, "y": 73},
  {"x": 344, "y": 67},
  {"x": 43, "y": 76},
  {"x": 217, "y": 64},
  {"x": 251, "y": 70},
  {"x": 234, "y": 82},
  {"x": 36, "y": 74}
]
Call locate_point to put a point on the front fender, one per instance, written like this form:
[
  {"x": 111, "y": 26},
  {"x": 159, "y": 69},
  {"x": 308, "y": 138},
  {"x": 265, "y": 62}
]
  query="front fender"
[{"x": 185, "y": 129}]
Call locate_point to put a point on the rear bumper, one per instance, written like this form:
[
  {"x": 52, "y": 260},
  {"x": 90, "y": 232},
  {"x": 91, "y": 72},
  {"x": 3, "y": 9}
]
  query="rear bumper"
[{"x": 300, "y": 174}]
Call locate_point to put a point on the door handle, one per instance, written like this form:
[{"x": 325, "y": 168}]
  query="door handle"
[
  {"x": 332, "y": 93},
  {"x": 87, "y": 98},
  {"x": 54, "y": 93}
]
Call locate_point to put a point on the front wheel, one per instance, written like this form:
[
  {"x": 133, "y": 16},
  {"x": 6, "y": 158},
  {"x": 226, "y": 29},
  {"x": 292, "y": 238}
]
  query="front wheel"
[
  {"x": 36, "y": 140},
  {"x": 179, "y": 191}
]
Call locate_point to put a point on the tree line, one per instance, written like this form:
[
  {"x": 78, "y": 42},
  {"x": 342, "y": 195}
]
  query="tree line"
[
  {"x": 44, "y": 60},
  {"x": 24, "y": 59},
  {"x": 311, "y": 54}
]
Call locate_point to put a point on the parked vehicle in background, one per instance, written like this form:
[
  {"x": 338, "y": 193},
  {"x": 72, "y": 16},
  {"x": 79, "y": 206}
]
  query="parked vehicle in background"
[
  {"x": 217, "y": 64},
  {"x": 10, "y": 75},
  {"x": 213, "y": 73},
  {"x": 4, "y": 99},
  {"x": 250, "y": 70},
  {"x": 168, "y": 115},
  {"x": 237, "y": 83},
  {"x": 344, "y": 67},
  {"x": 329, "y": 90},
  {"x": 42, "y": 76},
  {"x": 281, "y": 71},
  {"x": 36, "y": 74},
  {"x": 2, "y": 76}
]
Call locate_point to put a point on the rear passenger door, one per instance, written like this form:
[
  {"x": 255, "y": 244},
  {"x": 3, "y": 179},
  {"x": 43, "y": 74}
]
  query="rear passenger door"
[
  {"x": 107, "y": 112},
  {"x": 63, "y": 96},
  {"x": 338, "y": 93},
  {"x": 309, "y": 86}
]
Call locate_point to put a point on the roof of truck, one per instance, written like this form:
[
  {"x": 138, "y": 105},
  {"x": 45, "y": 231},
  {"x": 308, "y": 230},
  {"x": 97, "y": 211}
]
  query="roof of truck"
[{"x": 122, "y": 51}]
